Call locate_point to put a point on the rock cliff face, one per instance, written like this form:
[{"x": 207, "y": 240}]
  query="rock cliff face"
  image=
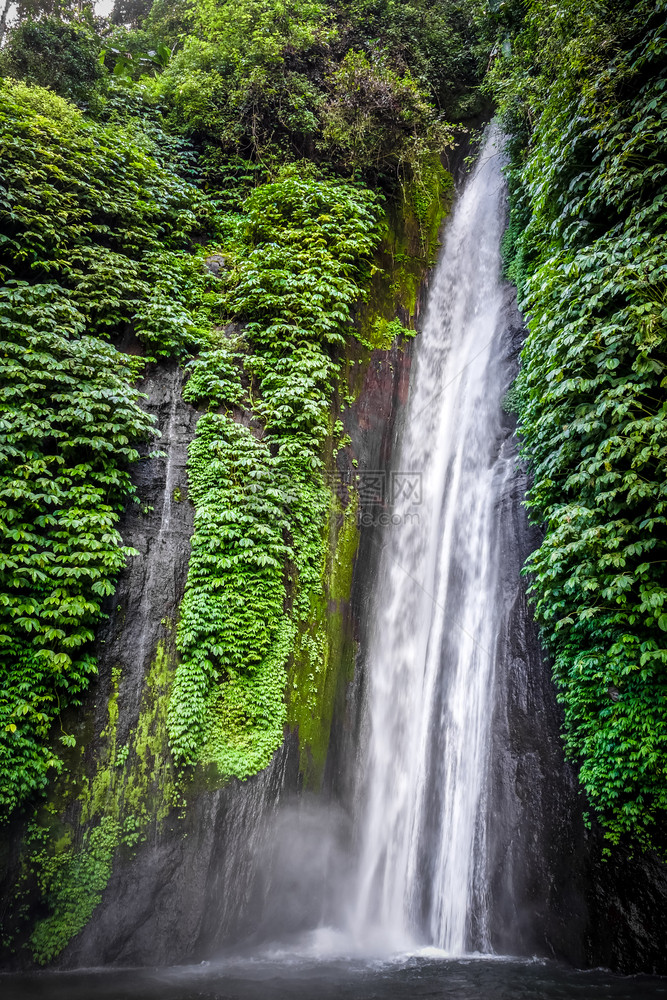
[
  {"x": 200, "y": 878},
  {"x": 196, "y": 875},
  {"x": 146, "y": 601},
  {"x": 162, "y": 900},
  {"x": 552, "y": 893},
  {"x": 196, "y": 883},
  {"x": 535, "y": 828}
]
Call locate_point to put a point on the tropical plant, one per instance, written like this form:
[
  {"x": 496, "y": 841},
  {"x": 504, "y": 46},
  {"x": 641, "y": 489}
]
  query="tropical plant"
[{"x": 587, "y": 246}]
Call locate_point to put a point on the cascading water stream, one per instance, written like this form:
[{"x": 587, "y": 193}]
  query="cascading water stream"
[{"x": 421, "y": 822}]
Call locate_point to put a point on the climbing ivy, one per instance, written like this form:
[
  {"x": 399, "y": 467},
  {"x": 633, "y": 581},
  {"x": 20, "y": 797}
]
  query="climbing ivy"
[
  {"x": 69, "y": 422},
  {"x": 261, "y": 503},
  {"x": 233, "y": 603},
  {"x": 588, "y": 248},
  {"x": 95, "y": 231},
  {"x": 96, "y": 208}
]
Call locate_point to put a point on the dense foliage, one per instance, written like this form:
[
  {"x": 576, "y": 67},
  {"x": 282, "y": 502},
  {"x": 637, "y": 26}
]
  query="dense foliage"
[
  {"x": 278, "y": 80},
  {"x": 250, "y": 133},
  {"x": 584, "y": 95},
  {"x": 441, "y": 43},
  {"x": 52, "y": 53},
  {"x": 91, "y": 222},
  {"x": 260, "y": 501},
  {"x": 69, "y": 421},
  {"x": 185, "y": 129}
]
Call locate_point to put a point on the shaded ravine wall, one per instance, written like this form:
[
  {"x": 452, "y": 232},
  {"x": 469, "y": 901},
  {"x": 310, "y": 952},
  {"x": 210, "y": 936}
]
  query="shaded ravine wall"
[
  {"x": 189, "y": 886},
  {"x": 175, "y": 876},
  {"x": 552, "y": 894}
]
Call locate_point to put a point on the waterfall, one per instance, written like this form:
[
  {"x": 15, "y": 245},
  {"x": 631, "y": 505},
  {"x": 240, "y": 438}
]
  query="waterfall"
[{"x": 420, "y": 804}]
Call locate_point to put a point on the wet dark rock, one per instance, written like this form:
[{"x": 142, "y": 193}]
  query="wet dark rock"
[
  {"x": 216, "y": 263},
  {"x": 194, "y": 885},
  {"x": 552, "y": 893},
  {"x": 189, "y": 889}
]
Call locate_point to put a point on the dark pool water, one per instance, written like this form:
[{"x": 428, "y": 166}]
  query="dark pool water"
[{"x": 301, "y": 979}]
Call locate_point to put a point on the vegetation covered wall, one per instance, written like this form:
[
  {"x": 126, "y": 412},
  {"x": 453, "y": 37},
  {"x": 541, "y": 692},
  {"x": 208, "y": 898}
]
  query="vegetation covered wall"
[
  {"x": 247, "y": 194},
  {"x": 250, "y": 193},
  {"x": 582, "y": 90}
]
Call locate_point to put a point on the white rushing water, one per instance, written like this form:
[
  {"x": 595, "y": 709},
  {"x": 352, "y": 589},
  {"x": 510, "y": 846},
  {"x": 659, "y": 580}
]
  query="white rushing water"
[{"x": 421, "y": 820}]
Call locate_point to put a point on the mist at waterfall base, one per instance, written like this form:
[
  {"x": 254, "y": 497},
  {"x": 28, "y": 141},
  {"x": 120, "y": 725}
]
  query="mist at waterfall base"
[
  {"x": 406, "y": 864},
  {"x": 395, "y": 893},
  {"x": 283, "y": 976}
]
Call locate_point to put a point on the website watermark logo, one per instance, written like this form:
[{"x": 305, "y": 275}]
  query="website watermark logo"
[{"x": 385, "y": 498}]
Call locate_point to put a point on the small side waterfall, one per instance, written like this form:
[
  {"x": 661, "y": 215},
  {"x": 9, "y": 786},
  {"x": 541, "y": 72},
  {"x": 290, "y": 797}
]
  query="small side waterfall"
[{"x": 420, "y": 811}]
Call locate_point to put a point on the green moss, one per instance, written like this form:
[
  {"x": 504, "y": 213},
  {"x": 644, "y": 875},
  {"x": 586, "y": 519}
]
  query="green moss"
[
  {"x": 344, "y": 551},
  {"x": 430, "y": 198},
  {"x": 72, "y": 882},
  {"x": 99, "y": 791},
  {"x": 408, "y": 249},
  {"x": 309, "y": 692},
  {"x": 315, "y": 671},
  {"x": 414, "y": 232},
  {"x": 137, "y": 778},
  {"x": 150, "y": 787},
  {"x": 67, "y": 864}
]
